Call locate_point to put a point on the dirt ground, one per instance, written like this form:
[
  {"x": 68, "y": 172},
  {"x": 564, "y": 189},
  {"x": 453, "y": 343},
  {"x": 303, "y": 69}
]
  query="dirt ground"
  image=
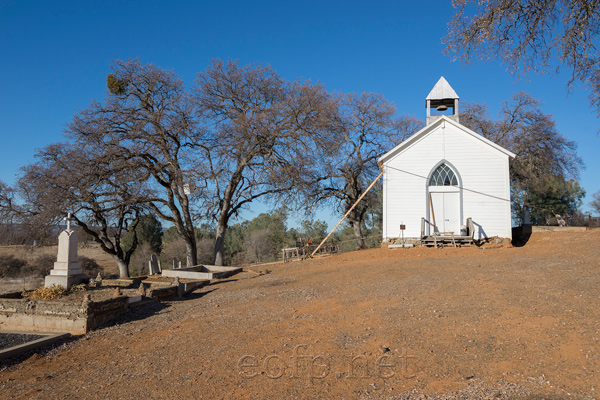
[{"x": 511, "y": 322}]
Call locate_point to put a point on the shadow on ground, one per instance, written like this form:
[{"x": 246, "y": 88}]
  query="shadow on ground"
[
  {"x": 39, "y": 352},
  {"x": 521, "y": 235},
  {"x": 132, "y": 314},
  {"x": 192, "y": 296}
]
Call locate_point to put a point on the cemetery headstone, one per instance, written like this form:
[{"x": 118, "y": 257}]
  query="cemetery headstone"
[
  {"x": 67, "y": 268},
  {"x": 153, "y": 266}
]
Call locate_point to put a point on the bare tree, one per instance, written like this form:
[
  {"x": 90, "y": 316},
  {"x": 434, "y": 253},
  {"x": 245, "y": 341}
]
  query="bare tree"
[
  {"x": 367, "y": 129},
  {"x": 6, "y": 217},
  {"x": 147, "y": 121},
  {"x": 106, "y": 199},
  {"x": 16, "y": 228},
  {"x": 6, "y": 198},
  {"x": 264, "y": 135},
  {"x": 531, "y": 35},
  {"x": 595, "y": 203},
  {"x": 542, "y": 153}
]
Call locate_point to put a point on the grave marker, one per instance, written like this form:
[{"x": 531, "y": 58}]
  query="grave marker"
[
  {"x": 153, "y": 265},
  {"x": 67, "y": 268}
]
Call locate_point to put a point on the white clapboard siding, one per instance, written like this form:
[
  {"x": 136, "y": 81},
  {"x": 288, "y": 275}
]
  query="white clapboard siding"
[{"x": 482, "y": 168}]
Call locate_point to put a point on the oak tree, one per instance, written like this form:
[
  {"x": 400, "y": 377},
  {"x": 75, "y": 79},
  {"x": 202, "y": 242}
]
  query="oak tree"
[
  {"x": 531, "y": 35},
  {"x": 367, "y": 128},
  {"x": 147, "y": 120},
  {"x": 543, "y": 155},
  {"x": 595, "y": 203},
  {"x": 264, "y": 133},
  {"x": 106, "y": 199}
]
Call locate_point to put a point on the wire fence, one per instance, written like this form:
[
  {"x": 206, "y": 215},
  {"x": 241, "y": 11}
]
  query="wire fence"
[{"x": 331, "y": 246}]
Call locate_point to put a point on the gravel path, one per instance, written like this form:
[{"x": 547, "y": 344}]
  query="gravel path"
[{"x": 8, "y": 340}]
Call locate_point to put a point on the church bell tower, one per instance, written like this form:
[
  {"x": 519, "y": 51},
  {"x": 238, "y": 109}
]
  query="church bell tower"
[{"x": 441, "y": 98}]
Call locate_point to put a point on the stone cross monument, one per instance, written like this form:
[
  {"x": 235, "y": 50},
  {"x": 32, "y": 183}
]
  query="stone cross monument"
[{"x": 67, "y": 268}]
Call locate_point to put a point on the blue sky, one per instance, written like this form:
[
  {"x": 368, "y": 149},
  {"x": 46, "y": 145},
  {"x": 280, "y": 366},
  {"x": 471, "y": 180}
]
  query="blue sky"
[{"x": 55, "y": 57}]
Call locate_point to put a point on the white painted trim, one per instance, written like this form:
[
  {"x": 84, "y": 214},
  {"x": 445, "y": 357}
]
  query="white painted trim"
[
  {"x": 444, "y": 189},
  {"x": 430, "y": 128},
  {"x": 384, "y": 179}
]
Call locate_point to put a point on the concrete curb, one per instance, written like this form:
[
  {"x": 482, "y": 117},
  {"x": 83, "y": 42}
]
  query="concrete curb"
[
  {"x": 558, "y": 228},
  {"x": 45, "y": 341}
]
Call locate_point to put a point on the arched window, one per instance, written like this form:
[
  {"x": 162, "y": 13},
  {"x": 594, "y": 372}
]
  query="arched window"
[{"x": 443, "y": 176}]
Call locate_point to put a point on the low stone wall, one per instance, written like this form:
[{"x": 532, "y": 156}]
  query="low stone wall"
[
  {"x": 394, "y": 241},
  {"x": 127, "y": 282},
  {"x": 57, "y": 316},
  {"x": 159, "y": 293},
  {"x": 22, "y": 314},
  {"x": 100, "y": 312},
  {"x": 202, "y": 272},
  {"x": 8, "y": 285},
  {"x": 558, "y": 228},
  {"x": 161, "y": 290},
  {"x": 523, "y": 232},
  {"x": 191, "y": 286},
  {"x": 76, "y": 319}
]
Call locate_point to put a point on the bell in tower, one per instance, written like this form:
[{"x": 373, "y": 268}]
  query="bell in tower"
[{"x": 441, "y": 98}]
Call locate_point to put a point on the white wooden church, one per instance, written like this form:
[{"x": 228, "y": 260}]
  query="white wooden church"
[{"x": 446, "y": 180}]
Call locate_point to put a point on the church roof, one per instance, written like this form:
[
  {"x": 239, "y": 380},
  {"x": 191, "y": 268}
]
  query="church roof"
[
  {"x": 429, "y": 128},
  {"x": 442, "y": 90}
]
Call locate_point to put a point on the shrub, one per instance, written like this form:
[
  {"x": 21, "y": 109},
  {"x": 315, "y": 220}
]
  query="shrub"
[
  {"x": 176, "y": 249},
  {"x": 41, "y": 266},
  {"x": 10, "y": 266},
  {"x": 90, "y": 266},
  {"x": 206, "y": 251},
  {"x": 138, "y": 265}
]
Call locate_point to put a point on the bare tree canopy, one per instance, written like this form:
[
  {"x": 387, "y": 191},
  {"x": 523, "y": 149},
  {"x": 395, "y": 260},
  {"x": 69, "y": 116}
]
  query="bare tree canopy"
[
  {"x": 531, "y": 35},
  {"x": 15, "y": 227},
  {"x": 543, "y": 155},
  {"x": 6, "y": 200},
  {"x": 241, "y": 134},
  {"x": 147, "y": 121},
  {"x": 367, "y": 128},
  {"x": 264, "y": 136},
  {"x": 595, "y": 203},
  {"x": 106, "y": 199}
]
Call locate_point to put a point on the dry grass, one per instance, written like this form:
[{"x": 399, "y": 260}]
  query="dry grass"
[{"x": 92, "y": 251}]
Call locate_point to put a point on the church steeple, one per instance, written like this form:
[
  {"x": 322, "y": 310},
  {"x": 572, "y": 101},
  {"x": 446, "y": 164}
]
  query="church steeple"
[{"x": 441, "y": 97}]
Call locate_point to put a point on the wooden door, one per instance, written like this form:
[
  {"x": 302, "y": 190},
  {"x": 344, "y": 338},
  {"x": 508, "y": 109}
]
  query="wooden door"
[{"x": 446, "y": 212}]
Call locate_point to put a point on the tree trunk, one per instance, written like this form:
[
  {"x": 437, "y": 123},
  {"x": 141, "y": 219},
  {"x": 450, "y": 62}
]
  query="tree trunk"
[
  {"x": 191, "y": 251},
  {"x": 224, "y": 214},
  {"x": 356, "y": 226},
  {"x": 219, "y": 242},
  {"x": 189, "y": 237},
  {"x": 123, "y": 267}
]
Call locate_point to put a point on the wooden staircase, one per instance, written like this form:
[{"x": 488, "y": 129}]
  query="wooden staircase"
[{"x": 447, "y": 239}]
